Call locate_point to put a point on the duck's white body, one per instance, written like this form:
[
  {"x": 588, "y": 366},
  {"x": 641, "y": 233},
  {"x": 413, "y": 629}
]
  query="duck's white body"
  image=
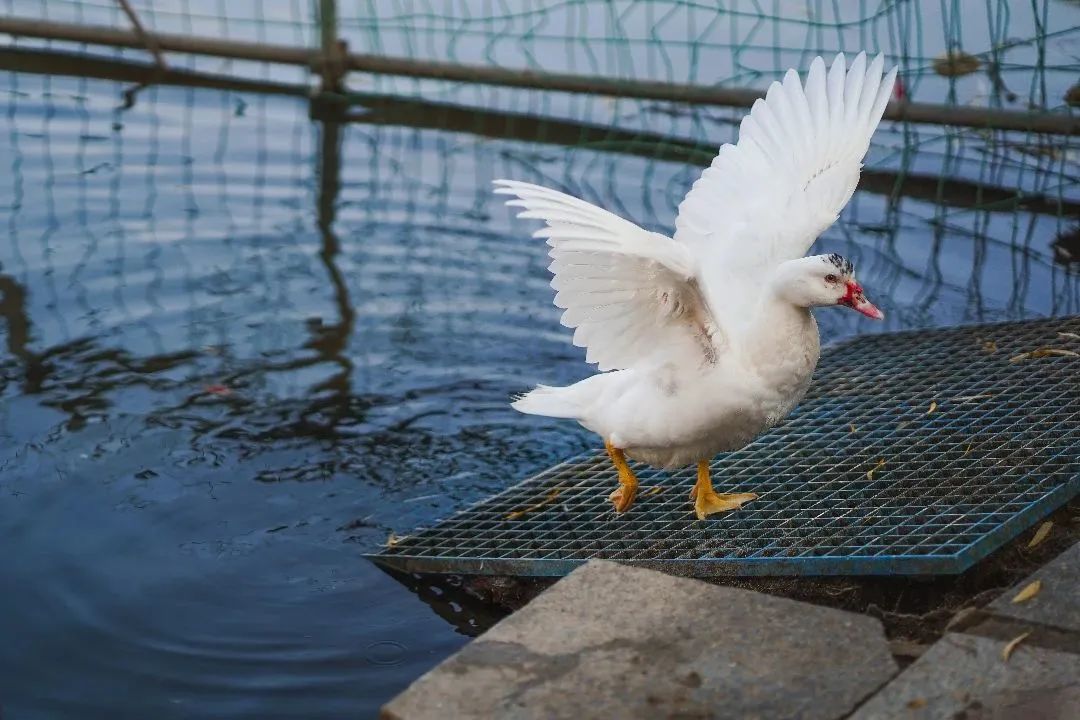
[
  {"x": 673, "y": 411},
  {"x": 708, "y": 337}
]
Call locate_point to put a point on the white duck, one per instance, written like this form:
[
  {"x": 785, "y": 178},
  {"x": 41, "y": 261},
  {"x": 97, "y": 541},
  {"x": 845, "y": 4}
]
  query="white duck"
[{"x": 706, "y": 340}]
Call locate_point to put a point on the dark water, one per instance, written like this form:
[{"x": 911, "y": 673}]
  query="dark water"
[{"x": 226, "y": 376}]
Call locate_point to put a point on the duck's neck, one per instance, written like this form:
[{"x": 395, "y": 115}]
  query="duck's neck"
[
  {"x": 777, "y": 317},
  {"x": 784, "y": 338},
  {"x": 782, "y": 307}
]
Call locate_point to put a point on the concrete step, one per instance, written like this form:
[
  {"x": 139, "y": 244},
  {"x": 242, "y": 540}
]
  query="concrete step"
[{"x": 612, "y": 641}]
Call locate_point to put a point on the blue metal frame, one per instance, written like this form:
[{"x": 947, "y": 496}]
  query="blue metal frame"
[{"x": 996, "y": 456}]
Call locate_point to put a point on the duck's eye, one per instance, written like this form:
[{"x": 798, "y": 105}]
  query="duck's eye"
[{"x": 830, "y": 278}]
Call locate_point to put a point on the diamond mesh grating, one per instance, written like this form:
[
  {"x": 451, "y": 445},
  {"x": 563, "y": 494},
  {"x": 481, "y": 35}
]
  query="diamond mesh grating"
[{"x": 997, "y": 454}]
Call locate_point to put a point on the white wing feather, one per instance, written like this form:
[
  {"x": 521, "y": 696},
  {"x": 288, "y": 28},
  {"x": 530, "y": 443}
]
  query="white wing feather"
[
  {"x": 767, "y": 198},
  {"x": 627, "y": 291},
  {"x": 764, "y": 200}
]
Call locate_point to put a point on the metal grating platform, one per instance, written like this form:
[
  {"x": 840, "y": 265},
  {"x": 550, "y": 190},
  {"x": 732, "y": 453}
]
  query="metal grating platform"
[{"x": 997, "y": 453}]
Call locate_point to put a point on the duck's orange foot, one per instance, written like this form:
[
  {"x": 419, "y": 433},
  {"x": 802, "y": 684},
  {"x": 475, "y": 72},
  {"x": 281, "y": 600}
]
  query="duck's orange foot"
[
  {"x": 623, "y": 496},
  {"x": 709, "y": 502}
]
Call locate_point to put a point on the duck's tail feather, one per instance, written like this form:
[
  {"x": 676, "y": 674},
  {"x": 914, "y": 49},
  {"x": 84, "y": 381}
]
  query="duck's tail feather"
[{"x": 556, "y": 402}]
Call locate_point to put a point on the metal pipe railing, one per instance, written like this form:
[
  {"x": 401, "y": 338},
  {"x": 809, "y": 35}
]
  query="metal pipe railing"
[
  {"x": 148, "y": 40},
  {"x": 419, "y": 113},
  {"x": 119, "y": 37},
  {"x": 953, "y": 115}
]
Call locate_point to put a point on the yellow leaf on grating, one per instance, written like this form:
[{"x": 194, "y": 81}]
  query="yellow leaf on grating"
[
  {"x": 871, "y": 471},
  {"x": 1030, "y": 591},
  {"x": 1042, "y": 353},
  {"x": 853, "y": 428},
  {"x": 1008, "y": 649},
  {"x": 1041, "y": 534},
  {"x": 393, "y": 539},
  {"x": 655, "y": 489},
  {"x": 989, "y": 347},
  {"x": 968, "y": 450},
  {"x": 552, "y": 494},
  {"x": 933, "y": 407}
]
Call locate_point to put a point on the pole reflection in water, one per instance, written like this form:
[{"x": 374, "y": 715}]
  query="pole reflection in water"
[{"x": 243, "y": 346}]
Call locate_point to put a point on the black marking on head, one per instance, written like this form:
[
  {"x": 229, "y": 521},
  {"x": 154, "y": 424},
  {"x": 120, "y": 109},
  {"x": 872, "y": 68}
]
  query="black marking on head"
[{"x": 842, "y": 263}]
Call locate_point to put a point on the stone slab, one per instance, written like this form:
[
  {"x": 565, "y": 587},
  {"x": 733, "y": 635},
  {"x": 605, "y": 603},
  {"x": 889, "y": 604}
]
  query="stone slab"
[
  {"x": 1058, "y": 602},
  {"x": 612, "y": 641},
  {"x": 964, "y": 676}
]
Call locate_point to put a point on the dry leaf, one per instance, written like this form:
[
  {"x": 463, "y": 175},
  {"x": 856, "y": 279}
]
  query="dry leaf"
[
  {"x": 1043, "y": 352},
  {"x": 964, "y": 619},
  {"x": 955, "y": 64},
  {"x": 1008, "y": 649},
  {"x": 933, "y": 407},
  {"x": 853, "y": 428},
  {"x": 916, "y": 703},
  {"x": 871, "y": 471},
  {"x": 655, "y": 489},
  {"x": 1072, "y": 96},
  {"x": 989, "y": 347},
  {"x": 393, "y": 539},
  {"x": 1041, "y": 534},
  {"x": 1028, "y": 592},
  {"x": 1069, "y": 336},
  {"x": 552, "y": 494}
]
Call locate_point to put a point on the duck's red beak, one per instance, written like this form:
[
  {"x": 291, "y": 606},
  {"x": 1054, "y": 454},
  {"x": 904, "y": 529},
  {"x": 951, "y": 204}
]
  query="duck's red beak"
[{"x": 855, "y": 300}]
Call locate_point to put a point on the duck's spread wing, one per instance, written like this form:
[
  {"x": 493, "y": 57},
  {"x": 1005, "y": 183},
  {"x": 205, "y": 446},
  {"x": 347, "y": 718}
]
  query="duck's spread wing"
[
  {"x": 626, "y": 290},
  {"x": 766, "y": 199}
]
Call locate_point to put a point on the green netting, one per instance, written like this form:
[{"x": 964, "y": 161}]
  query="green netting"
[
  {"x": 941, "y": 212},
  {"x": 1028, "y": 51}
]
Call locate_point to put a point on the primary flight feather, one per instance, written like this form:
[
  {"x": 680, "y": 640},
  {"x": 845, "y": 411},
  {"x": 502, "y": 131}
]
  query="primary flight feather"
[{"x": 706, "y": 339}]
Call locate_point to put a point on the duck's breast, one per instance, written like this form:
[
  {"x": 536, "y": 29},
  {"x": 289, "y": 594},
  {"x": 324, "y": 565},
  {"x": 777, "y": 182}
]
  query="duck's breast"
[{"x": 782, "y": 350}]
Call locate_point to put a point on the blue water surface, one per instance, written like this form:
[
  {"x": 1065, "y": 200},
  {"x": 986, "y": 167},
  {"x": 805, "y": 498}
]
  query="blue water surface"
[{"x": 226, "y": 375}]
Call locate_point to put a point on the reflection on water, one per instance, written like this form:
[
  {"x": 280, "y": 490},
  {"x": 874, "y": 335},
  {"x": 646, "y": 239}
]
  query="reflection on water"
[
  {"x": 215, "y": 398},
  {"x": 242, "y": 347}
]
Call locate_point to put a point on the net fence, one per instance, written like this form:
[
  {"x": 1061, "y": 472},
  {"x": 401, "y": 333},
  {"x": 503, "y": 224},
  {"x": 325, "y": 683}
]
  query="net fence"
[
  {"x": 1026, "y": 52},
  {"x": 142, "y": 216}
]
